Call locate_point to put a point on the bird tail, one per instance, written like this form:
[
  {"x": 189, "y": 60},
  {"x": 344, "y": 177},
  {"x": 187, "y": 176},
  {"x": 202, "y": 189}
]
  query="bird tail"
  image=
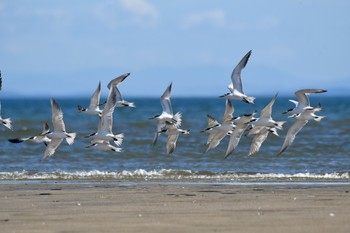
[
  {"x": 279, "y": 124},
  {"x": 7, "y": 122},
  {"x": 118, "y": 139},
  {"x": 129, "y": 104},
  {"x": 187, "y": 131},
  {"x": 70, "y": 138},
  {"x": 249, "y": 100},
  {"x": 177, "y": 119},
  {"x": 116, "y": 149},
  {"x": 319, "y": 118}
]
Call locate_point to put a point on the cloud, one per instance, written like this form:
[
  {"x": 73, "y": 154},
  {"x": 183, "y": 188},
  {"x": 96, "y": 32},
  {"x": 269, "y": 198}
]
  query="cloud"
[
  {"x": 214, "y": 17},
  {"x": 142, "y": 11}
]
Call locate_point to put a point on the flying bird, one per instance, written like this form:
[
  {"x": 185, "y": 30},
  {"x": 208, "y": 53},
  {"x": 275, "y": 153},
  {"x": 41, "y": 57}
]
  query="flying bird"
[
  {"x": 167, "y": 115},
  {"x": 59, "y": 131},
  {"x": 218, "y": 131},
  {"x": 93, "y": 108},
  {"x": 41, "y": 138},
  {"x": 104, "y": 131},
  {"x": 173, "y": 134},
  {"x": 303, "y": 101},
  {"x": 265, "y": 119},
  {"x": 120, "y": 101},
  {"x": 235, "y": 87},
  {"x": 241, "y": 123},
  {"x": 301, "y": 120}
]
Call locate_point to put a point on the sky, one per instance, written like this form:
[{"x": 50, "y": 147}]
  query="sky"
[{"x": 64, "y": 48}]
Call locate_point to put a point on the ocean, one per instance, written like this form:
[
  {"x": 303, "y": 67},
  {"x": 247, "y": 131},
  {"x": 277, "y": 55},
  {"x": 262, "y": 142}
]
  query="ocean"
[{"x": 320, "y": 152}]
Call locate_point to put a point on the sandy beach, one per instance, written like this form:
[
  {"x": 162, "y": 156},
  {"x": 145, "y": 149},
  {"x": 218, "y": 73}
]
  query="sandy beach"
[{"x": 169, "y": 207}]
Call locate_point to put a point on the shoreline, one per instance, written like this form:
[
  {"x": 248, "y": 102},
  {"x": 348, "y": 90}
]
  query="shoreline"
[{"x": 105, "y": 206}]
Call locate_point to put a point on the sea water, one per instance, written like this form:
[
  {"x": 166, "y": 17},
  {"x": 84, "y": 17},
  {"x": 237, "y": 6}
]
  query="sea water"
[{"x": 320, "y": 152}]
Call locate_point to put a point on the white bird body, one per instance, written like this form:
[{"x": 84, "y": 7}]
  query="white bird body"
[
  {"x": 235, "y": 87},
  {"x": 93, "y": 108},
  {"x": 59, "y": 133}
]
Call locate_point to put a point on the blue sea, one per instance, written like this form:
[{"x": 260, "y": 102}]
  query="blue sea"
[{"x": 320, "y": 152}]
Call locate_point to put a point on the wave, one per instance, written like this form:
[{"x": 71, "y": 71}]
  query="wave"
[{"x": 173, "y": 175}]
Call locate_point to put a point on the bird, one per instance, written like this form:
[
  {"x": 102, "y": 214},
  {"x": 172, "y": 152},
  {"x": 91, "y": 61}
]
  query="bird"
[
  {"x": 7, "y": 122},
  {"x": 265, "y": 119},
  {"x": 93, "y": 108},
  {"x": 259, "y": 138},
  {"x": 301, "y": 120},
  {"x": 303, "y": 101},
  {"x": 241, "y": 123},
  {"x": 103, "y": 145},
  {"x": 104, "y": 131},
  {"x": 59, "y": 131},
  {"x": 167, "y": 114},
  {"x": 120, "y": 101},
  {"x": 41, "y": 138},
  {"x": 218, "y": 131},
  {"x": 235, "y": 87},
  {"x": 173, "y": 134}
]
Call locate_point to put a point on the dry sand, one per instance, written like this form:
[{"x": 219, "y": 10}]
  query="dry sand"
[{"x": 168, "y": 207}]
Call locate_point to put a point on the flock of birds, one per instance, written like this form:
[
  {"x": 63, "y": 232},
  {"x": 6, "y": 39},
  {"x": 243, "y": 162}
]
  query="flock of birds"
[{"x": 169, "y": 123}]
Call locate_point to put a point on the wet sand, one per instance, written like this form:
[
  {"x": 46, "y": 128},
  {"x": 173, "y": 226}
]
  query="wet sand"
[{"x": 168, "y": 207}]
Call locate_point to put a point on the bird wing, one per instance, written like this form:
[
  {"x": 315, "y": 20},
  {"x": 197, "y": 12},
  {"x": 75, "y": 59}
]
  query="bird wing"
[
  {"x": 95, "y": 98},
  {"x": 236, "y": 73},
  {"x": 171, "y": 143},
  {"x": 229, "y": 109},
  {"x": 46, "y": 128},
  {"x": 106, "y": 120},
  {"x": 212, "y": 122},
  {"x": 267, "y": 110},
  {"x": 117, "y": 80},
  {"x": 257, "y": 142},
  {"x": 235, "y": 137},
  {"x": 165, "y": 100},
  {"x": 292, "y": 132},
  {"x": 52, "y": 146},
  {"x": 216, "y": 139},
  {"x": 57, "y": 117}
]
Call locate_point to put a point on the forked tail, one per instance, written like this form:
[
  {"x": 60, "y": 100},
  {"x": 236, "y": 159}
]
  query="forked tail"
[
  {"x": 249, "y": 100},
  {"x": 70, "y": 138}
]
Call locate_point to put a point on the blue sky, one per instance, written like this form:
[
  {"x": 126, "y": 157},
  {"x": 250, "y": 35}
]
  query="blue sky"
[{"x": 63, "y": 48}]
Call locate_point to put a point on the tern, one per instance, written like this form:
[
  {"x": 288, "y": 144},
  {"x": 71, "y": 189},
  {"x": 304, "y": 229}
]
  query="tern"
[
  {"x": 265, "y": 119},
  {"x": 241, "y": 123},
  {"x": 6, "y": 122},
  {"x": 173, "y": 134},
  {"x": 303, "y": 101},
  {"x": 41, "y": 138},
  {"x": 235, "y": 87},
  {"x": 59, "y": 131},
  {"x": 120, "y": 101},
  {"x": 218, "y": 131},
  {"x": 167, "y": 115},
  {"x": 301, "y": 120},
  {"x": 93, "y": 108},
  {"x": 104, "y": 131}
]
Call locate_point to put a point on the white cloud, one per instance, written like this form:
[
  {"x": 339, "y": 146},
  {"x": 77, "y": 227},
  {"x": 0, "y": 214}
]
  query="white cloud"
[
  {"x": 142, "y": 11},
  {"x": 215, "y": 17}
]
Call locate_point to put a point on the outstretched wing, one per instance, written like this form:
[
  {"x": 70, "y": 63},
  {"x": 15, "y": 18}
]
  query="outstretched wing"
[
  {"x": 292, "y": 132},
  {"x": 236, "y": 73}
]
